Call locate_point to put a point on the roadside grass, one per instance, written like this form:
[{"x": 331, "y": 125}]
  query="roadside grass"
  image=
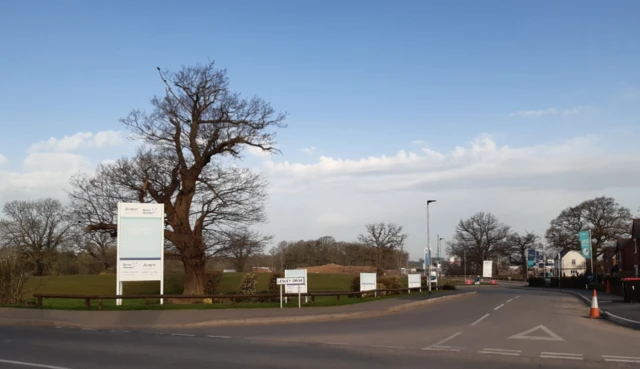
[
  {"x": 229, "y": 284},
  {"x": 106, "y": 284},
  {"x": 139, "y": 304}
]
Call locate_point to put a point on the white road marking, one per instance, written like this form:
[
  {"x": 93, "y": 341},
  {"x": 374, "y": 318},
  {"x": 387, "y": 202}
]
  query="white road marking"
[
  {"x": 223, "y": 337},
  {"x": 561, "y": 357},
  {"x": 498, "y": 307},
  {"x": 479, "y": 320},
  {"x": 34, "y": 365},
  {"x": 516, "y": 297},
  {"x": 523, "y": 335},
  {"x": 490, "y": 349},
  {"x": 183, "y": 335},
  {"x": 447, "y": 339},
  {"x": 621, "y": 359},
  {"x": 499, "y": 353},
  {"x": 559, "y": 353},
  {"x": 508, "y": 301}
]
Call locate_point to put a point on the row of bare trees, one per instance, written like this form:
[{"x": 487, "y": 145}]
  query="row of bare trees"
[
  {"x": 483, "y": 237},
  {"x": 381, "y": 246}
]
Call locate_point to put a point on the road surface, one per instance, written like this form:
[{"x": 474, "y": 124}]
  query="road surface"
[{"x": 495, "y": 328}]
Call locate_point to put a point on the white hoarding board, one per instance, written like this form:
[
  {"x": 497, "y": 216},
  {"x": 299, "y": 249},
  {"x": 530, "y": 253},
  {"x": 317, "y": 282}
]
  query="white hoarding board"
[
  {"x": 296, "y": 273},
  {"x": 487, "y": 269},
  {"x": 140, "y": 244},
  {"x": 368, "y": 281},
  {"x": 414, "y": 280}
]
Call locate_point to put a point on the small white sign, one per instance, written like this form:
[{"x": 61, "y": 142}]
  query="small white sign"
[
  {"x": 414, "y": 280},
  {"x": 368, "y": 281},
  {"x": 487, "y": 269},
  {"x": 287, "y": 281}
]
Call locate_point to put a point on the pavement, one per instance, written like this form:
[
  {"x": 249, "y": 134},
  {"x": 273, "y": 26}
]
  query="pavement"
[
  {"x": 212, "y": 317},
  {"x": 496, "y": 328}
]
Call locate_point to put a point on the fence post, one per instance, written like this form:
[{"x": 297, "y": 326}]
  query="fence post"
[
  {"x": 40, "y": 301},
  {"x": 146, "y": 301},
  {"x": 338, "y": 296},
  {"x": 87, "y": 303},
  {"x": 313, "y": 299},
  {"x": 99, "y": 304}
]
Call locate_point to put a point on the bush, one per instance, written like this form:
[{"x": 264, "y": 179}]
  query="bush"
[
  {"x": 15, "y": 271},
  {"x": 390, "y": 283},
  {"x": 379, "y": 286},
  {"x": 274, "y": 289},
  {"x": 355, "y": 284},
  {"x": 449, "y": 287},
  {"x": 248, "y": 284},
  {"x": 212, "y": 282}
]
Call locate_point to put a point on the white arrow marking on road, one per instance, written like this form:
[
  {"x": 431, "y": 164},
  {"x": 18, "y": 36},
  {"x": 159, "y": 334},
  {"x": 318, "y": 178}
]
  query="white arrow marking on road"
[{"x": 523, "y": 336}]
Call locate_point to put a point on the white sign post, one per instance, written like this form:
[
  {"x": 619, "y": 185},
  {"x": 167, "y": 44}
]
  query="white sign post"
[
  {"x": 368, "y": 282},
  {"x": 414, "y": 281},
  {"x": 297, "y": 281},
  {"x": 487, "y": 269},
  {"x": 140, "y": 245}
]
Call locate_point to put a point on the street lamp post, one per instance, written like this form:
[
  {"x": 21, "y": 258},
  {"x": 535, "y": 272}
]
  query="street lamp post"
[
  {"x": 439, "y": 262},
  {"x": 429, "y": 246}
]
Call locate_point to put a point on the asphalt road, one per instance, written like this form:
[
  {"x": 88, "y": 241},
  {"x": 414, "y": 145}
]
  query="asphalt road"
[{"x": 486, "y": 330}]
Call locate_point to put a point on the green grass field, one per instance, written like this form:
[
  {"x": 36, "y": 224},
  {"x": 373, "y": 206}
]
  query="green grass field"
[
  {"x": 230, "y": 283},
  {"x": 106, "y": 284}
]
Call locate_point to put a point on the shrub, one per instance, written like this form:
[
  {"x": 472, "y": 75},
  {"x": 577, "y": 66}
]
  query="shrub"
[
  {"x": 355, "y": 284},
  {"x": 390, "y": 283},
  {"x": 15, "y": 271},
  {"x": 248, "y": 284},
  {"x": 274, "y": 289},
  {"x": 380, "y": 286},
  {"x": 212, "y": 282},
  {"x": 449, "y": 287}
]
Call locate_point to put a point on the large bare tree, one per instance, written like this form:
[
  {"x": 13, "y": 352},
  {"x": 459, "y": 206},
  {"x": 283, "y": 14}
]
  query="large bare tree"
[
  {"x": 195, "y": 131},
  {"x": 38, "y": 228},
  {"x": 517, "y": 247},
  {"x": 480, "y": 237},
  {"x": 606, "y": 219},
  {"x": 381, "y": 239}
]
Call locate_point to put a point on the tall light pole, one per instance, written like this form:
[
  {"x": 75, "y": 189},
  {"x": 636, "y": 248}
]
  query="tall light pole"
[
  {"x": 439, "y": 265},
  {"x": 429, "y": 246}
]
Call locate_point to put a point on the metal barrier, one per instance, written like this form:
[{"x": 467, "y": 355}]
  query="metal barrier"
[{"x": 87, "y": 298}]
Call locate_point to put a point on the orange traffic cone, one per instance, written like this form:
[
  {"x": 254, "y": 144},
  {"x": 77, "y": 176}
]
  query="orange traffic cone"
[
  {"x": 595, "y": 311},
  {"x": 608, "y": 290}
]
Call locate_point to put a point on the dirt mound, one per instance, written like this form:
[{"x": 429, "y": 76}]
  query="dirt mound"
[{"x": 340, "y": 269}]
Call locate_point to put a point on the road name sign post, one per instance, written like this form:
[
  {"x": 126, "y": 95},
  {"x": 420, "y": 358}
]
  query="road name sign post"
[{"x": 290, "y": 281}]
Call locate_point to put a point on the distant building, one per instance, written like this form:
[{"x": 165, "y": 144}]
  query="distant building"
[
  {"x": 572, "y": 264},
  {"x": 261, "y": 269}
]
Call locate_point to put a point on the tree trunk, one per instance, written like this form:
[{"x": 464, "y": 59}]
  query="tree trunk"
[{"x": 194, "y": 262}]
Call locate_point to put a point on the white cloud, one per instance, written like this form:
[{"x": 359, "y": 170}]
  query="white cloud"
[
  {"x": 545, "y": 112},
  {"x": 42, "y": 175},
  {"x": 3, "y": 159},
  {"x": 525, "y": 187},
  {"x": 78, "y": 141},
  {"x": 309, "y": 150}
]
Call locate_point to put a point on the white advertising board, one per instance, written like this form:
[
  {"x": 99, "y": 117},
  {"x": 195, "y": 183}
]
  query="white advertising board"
[
  {"x": 295, "y": 288},
  {"x": 368, "y": 281},
  {"x": 414, "y": 280},
  {"x": 140, "y": 244},
  {"x": 487, "y": 269}
]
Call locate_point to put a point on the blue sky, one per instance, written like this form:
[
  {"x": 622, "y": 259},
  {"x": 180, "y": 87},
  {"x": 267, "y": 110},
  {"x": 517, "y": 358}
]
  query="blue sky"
[{"x": 359, "y": 79}]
